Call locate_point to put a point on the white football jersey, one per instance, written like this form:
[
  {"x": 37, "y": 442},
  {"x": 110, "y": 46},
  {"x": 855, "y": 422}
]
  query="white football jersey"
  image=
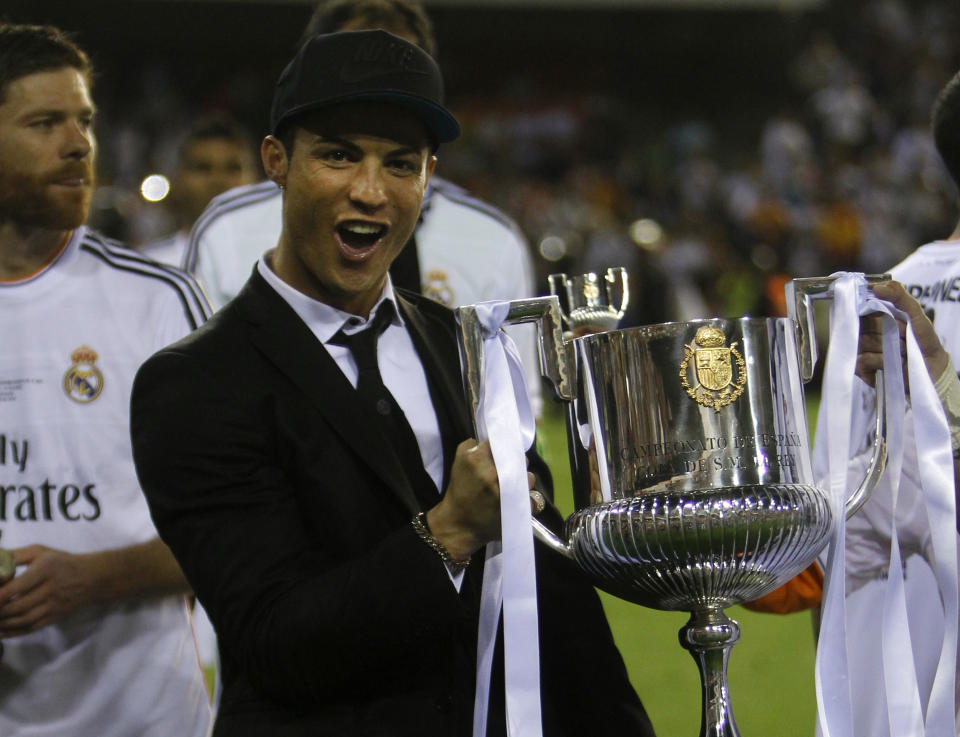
[
  {"x": 468, "y": 252},
  {"x": 932, "y": 275},
  {"x": 73, "y": 336}
]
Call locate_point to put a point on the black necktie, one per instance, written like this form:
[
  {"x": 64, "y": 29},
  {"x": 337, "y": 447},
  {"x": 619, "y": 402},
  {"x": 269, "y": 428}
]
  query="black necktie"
[{"x": 382, "y": 405}]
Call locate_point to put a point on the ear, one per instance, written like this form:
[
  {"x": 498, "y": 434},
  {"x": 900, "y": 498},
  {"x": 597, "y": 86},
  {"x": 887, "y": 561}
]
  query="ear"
[
  {"x": 274, "y": 158},
  {"x": 431, "y": 165}
]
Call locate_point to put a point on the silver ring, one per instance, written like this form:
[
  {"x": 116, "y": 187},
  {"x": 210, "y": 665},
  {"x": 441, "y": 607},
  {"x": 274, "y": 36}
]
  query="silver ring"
[{"x": 539, "y": 503}]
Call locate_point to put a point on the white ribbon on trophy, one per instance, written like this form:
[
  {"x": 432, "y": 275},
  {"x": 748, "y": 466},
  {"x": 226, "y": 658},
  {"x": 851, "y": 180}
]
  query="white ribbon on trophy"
[
  {"x": 505, "y": 418},
  {"x": 851, "y": 299}
]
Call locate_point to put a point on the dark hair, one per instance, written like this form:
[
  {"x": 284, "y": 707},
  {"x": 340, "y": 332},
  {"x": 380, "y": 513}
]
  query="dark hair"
[
  {"x": 217, "y": 127},
  {"x": 26, "y": 49},
  {"x": 946, "y": 126},
  {"x": 406, "y": 16}
]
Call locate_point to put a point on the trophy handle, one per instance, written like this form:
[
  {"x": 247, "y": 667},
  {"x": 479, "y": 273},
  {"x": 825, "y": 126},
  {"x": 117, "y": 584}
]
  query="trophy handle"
[
  {"x": 878, "y": 457},
  {"x": 561, "y": 287},
  {"x": 618, "y": 275},
  {"x": 556, "y": 365},
  {"x": 556, "y": 356},
  {"x": 801, "y": 294}
]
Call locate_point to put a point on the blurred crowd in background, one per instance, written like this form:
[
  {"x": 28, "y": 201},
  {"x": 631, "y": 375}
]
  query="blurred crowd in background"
[{"x": 709, "y": 214}]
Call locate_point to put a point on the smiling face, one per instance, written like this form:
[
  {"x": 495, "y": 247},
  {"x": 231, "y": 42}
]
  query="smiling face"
[
  {"x": 46, "y": 150},
  {"x": 353, "y": 185}
]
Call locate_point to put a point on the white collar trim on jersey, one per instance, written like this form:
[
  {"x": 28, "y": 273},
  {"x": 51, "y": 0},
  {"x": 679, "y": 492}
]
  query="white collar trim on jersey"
[{"x": 70, "y": 246}]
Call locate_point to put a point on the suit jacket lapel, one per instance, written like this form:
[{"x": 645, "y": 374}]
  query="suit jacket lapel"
[
  {"x": 436, "y": 343},
  {"x": 285, "y": 341}
]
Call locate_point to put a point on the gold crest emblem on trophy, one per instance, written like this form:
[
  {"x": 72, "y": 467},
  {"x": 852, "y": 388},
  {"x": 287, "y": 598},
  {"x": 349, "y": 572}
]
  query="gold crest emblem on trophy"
[{"x": 717, "y": 382}]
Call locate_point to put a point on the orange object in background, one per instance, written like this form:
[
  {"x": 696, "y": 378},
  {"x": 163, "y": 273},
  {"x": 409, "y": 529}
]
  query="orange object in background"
[{"x": 803, "y": 591}]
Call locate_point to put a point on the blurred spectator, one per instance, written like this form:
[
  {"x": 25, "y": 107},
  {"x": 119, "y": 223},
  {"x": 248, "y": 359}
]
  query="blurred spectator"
[{"x": 215, "y": 155}]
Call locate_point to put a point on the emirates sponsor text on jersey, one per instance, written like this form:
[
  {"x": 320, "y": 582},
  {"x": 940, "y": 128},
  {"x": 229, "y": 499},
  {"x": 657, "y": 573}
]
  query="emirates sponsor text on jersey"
[{"x": 40, "y": 501}]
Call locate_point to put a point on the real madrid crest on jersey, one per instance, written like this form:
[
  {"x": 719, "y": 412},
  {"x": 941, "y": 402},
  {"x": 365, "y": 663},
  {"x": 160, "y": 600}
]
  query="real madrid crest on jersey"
[
  {"x": 83, "y": 381},
  {"x": 437, "y": 287},
  {"x": 718, "y": 370}
]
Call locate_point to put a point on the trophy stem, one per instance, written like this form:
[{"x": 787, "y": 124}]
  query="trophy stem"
[{"x": 709, "y": 635}]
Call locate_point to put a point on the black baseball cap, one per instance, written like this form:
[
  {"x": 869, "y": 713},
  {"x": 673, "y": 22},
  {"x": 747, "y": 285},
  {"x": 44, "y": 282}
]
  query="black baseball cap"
[{"x": 374, "y": 65}]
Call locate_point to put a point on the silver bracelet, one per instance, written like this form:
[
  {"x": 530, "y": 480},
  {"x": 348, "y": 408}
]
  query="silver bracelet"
[
  {"x": 948, "y": 390},
  {"x": 419, "y": 524}
]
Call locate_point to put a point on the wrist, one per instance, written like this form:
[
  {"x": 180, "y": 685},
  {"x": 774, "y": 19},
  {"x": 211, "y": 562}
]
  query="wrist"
[
  {"x": 95, "y": 572},
  {"x": 456, "y": 562},
  {"x": 458, "y": 538},
  {"x": 938, "y": 364}
]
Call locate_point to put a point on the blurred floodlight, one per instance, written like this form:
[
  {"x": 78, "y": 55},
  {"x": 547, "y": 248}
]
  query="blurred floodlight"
[
  {"x": 646, "y": 233},
  {"x": 553, "y": 248},
  {"x": 764, "y": 257},
  {"x": 154, "y": 188}
]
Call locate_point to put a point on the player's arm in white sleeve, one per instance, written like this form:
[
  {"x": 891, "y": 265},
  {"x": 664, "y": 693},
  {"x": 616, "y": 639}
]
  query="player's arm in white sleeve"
[{"x": 56, "y": 583}]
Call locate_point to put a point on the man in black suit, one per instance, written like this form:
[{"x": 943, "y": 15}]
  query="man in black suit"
[{"x": 300, "y": 488}]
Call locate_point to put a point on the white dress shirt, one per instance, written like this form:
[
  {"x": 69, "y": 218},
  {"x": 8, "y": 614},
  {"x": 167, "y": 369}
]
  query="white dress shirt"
[{"x": 399, "y": 363}]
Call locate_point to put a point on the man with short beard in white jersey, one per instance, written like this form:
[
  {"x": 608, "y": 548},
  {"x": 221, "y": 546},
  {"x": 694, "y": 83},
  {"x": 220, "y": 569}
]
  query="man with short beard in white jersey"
[{"x": 94, "y": 624}]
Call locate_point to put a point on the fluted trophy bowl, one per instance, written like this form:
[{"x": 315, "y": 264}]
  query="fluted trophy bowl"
[
  {"x": 590, "y": 302},
  {"x": 692, "y": 474},
  {"x": 691, "y": 550}
]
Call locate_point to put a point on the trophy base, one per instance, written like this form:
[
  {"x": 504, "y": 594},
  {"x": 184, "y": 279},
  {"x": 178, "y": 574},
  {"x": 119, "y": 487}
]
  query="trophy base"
[{"x": 699, "y": 550}]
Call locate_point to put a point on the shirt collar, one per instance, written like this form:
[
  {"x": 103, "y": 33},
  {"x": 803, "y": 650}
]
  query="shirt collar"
[{"x": 324, "y": 320}]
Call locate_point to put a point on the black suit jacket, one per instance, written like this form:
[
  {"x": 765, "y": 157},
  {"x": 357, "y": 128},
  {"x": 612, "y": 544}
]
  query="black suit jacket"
[{"x": 290, "y": 519}]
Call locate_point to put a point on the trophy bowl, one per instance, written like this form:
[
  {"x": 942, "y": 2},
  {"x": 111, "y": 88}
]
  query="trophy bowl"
[
  {"x": 691, "y": 441},
  {"x": 689, "y": 450},
  {"x": 685, "y": 551},
  {"x": 586, "y": 306}
]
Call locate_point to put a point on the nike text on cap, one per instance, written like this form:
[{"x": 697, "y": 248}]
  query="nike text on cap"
[{"x": 363, "y": 65}]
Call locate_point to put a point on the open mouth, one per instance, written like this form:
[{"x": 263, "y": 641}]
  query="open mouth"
[{"x": 360, "y": 236}]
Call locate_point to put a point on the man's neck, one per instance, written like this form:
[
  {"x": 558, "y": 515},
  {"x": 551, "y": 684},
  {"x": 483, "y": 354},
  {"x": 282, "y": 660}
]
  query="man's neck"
[
  {"x": 955, "y": 235},
  {"x": 25, "y": 251}
]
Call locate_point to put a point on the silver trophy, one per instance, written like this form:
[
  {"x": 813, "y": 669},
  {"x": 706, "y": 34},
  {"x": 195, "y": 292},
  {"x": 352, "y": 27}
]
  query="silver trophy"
[
  {"x": 589, "y": 303},
  {"x": 692, "y": 473}
]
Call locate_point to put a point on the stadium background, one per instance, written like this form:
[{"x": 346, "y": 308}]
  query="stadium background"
[{"x": 714, "y": 147}]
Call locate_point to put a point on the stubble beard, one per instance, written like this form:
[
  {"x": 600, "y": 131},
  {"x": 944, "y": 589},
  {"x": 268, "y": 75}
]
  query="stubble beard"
[{"x": 28, "y": 202}]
